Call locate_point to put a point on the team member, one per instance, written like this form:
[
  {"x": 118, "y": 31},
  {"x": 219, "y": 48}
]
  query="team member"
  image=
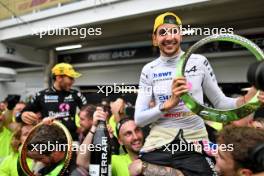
[
  {"x": 86, "y": 120},
  {"x": 5, "y": 131},
  {"x": 9, "y": 165},
  {"x": 48, "y": 148},
  {"x": 59, "y": 101},
  {"x": 5, "y": 138},
  {"x": 240, "y": 151},
  {"x": 172, "y": 122},
  {"x": 129, "y": 135}
]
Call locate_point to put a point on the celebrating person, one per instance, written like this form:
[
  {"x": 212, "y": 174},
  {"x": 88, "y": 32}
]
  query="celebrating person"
[
  {"x": 173, "y": 124},
  {"x": 59, "y": 101},
  {"x": 247, "y": 155},
  {"x": 129, "y": 135}
]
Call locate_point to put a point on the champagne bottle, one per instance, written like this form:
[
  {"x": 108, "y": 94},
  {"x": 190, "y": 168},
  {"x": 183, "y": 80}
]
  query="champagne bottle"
[{"x": 100, "y": 164}]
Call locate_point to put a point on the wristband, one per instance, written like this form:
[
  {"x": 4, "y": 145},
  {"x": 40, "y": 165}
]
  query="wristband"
[{"x": 92, "y": 132}]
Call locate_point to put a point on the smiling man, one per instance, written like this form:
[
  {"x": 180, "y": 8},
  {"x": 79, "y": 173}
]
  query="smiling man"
[
  {"x": 173, "y": 124},
  {"x": 57, "y": 101},
  {"x": 129, "y": 136}
]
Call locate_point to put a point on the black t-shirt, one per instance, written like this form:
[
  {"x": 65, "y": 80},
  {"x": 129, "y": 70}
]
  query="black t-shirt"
[{"x": 53, "y": 103}]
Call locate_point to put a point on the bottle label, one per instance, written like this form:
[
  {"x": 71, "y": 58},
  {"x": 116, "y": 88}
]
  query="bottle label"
[
  {"x": 104, "y": 164},
  {"x": 109, "y": 170},
  {"x": 94, "y": 169},
  {"x": 101, "y": 126}
]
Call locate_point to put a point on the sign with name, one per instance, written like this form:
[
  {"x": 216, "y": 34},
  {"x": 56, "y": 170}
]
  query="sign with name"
[{"x": 108, "y": 55}]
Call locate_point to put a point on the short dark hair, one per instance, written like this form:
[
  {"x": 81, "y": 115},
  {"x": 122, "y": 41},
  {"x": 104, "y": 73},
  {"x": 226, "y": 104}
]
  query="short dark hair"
[
  {"x": 89, "y": 110},
  {"x": 45, "y": 135},
  {"x": 120, "y": 123},
  {"x": 244, "y": 140}
]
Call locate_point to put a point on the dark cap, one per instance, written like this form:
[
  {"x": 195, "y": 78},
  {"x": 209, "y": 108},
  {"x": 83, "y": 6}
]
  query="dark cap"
[{"x": 120, "y": 123}]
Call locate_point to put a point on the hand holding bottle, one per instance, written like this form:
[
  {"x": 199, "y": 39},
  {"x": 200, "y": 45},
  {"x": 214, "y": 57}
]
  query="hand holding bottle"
[
  {"x": 100, "y": 161},
  {"x": 99, "y": 114}
]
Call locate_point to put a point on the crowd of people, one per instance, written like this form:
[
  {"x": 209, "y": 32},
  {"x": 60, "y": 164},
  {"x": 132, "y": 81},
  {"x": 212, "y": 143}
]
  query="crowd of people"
[{"x": 158, "y": 136}]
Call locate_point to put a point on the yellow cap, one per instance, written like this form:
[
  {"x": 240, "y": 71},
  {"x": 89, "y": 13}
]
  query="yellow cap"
[
  {"x": 165, "y": 19},
  {"x": 65, "y": 69}
]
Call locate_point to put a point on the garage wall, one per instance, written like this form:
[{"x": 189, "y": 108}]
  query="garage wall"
[
  {"x": 12, "y": 88},
  {"x": 231, "y": 69},
  {"x": 227, "y": 70},
  {"x": 33, "y": 82},
  {"x": 127, "y": 74},
  {"x": 31, "y": 78}
]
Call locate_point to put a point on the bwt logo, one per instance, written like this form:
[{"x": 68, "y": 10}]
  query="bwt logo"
[
  {"x": 163, "y": 98},
  {"x": 162, "y": 74}
]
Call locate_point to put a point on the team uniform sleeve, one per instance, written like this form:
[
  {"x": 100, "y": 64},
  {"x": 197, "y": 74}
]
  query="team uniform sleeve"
[
  {"x": 143, "y": 114},
  {"x": 81, "y": 100},
  {"x": 33, "y": 105},
  {"x": 213, "y": 91}
]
